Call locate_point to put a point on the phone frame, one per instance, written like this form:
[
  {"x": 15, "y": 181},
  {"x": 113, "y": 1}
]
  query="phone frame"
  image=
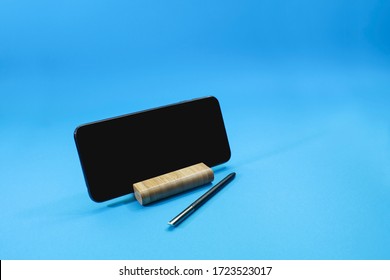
[{"x": 88, "y": 158}]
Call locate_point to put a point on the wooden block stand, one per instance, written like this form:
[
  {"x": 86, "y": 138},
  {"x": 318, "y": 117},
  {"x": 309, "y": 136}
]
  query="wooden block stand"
[{"x": 172, "y": 183}]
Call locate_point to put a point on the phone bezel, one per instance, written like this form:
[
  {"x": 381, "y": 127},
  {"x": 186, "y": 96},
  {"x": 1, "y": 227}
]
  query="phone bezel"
[{"x": 95, "y": 191}]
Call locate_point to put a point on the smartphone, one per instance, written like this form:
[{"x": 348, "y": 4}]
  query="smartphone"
[{"x": 115, "y": 153}]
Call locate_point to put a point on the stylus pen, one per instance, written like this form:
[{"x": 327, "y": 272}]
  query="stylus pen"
[{"x": 201, "y": 200}]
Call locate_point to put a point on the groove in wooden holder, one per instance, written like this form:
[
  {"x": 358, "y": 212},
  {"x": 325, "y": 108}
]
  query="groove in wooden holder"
[{"x": 172, "y": 183}]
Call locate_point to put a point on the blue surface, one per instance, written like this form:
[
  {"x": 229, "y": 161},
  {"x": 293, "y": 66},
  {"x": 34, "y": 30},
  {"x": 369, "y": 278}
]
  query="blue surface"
[{"x": 305, "y": 92}]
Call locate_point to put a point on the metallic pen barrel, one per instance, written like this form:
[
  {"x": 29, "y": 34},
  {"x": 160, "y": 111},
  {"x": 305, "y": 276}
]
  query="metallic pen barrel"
[
  {"x": 201, "y": 200},
  {"x": 181, "y": 217}
]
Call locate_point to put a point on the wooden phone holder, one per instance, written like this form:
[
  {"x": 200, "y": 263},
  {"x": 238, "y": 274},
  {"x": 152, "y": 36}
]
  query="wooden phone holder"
[{"x": 172, "y": 183}]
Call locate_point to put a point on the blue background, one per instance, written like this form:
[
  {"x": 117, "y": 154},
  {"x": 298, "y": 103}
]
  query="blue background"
[{"x": 305, "y": 92}]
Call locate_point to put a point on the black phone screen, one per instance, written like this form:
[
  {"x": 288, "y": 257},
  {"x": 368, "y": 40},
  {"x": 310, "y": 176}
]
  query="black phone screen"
[{"x": 118, "y": 152}]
